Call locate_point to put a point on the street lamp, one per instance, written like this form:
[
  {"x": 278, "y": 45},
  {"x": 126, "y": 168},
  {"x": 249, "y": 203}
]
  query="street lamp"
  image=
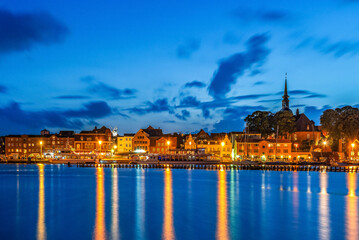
[
  {"x": 325, "y": 144},
  {"x": 41, "y": 149},
  {"x": 222, "y": 144},
  {"x": 100, "y": 142},
  {"x": 296, "y": 147},
  {"x": 168, "y": 144}
]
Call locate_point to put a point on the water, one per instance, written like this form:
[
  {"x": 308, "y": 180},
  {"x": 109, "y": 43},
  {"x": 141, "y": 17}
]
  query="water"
[{"x": 57, "y": 202}]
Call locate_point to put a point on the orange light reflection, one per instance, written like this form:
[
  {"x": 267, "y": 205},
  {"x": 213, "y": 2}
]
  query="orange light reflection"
[
  {"x": 168, "y": 229},
  {"x": 41, "y": 227},
  {"x": 351, "y": 213},
  {"x": 100, "y": 230},
  {"x": 222, "y": 216}
]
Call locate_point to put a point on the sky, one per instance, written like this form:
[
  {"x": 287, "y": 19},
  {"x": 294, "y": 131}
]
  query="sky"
[{"x": 177, "y": 65}]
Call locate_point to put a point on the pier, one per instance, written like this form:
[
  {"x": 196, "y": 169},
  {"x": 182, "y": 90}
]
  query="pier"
[{"x": 227, "y": 167}]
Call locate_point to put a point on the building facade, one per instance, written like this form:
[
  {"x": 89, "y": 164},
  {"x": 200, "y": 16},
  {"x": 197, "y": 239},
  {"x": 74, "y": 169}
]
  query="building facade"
[
  {"x": 98, "y": 140},
  {"x": 217, "y": 144},
  {"x": 24, "y": 146},
  {"x": 124, "y": 143},
  {"x": 264, "y": 149}
]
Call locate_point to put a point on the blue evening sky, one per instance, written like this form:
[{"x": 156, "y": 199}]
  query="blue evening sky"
[{"x": 178, "y": 65}]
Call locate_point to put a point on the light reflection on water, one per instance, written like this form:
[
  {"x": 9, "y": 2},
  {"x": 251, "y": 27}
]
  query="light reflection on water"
[
  {"x": 115, "y": 197},
  {"x": 168, "y": 228},
  {"x": 351, "y": 216},
  {"x": 222, "y": 208},
  {"x": 41, "y": 227},
  {"x": 324, "y": 218},
  {"x": 100, "y": 225},
  {"x": 170, "y": 204}
]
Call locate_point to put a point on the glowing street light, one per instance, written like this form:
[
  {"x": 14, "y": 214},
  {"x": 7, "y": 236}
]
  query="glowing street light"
[
  {"x": 41, "y": 148},
  {"x": 100, "y": 142},
  {"x": 168, "y": 144}
]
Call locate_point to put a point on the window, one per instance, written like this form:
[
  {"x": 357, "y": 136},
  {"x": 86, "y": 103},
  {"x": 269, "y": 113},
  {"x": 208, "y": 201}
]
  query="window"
[
  {"x": 285, "y": 150},
  {"x": 308, "y": 136}
]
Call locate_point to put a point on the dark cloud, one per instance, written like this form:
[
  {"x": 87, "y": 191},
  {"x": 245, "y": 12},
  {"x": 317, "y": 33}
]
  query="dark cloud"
[
  {"x": 3, "y": 89},
  {"x": 325, "y": 46},
  {"x": 71, "y": 97},
  {"x": 189, "y": 101},
  {"x": 186, "y": 49},
  {"x": 97, "y": 109},
  {"x": 160, "y": 105},
  {"x": 184, "y": 115},
  {"x": 316, "y": 95},
  {"x": 236, "y": 65},
  {"x": 264, "y": 16},
  {"x": 195, "y": 83},
  {"x": 233, "y": 118},
  {"x": 18, "y": 120},
  {"x": 13, "y": 117},
  {"x": 23, "y": 31},
  {"x": 106, "y": 91}
]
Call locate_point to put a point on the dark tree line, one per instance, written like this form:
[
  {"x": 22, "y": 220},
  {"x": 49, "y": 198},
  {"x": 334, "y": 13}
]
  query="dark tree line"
[
  {"x": 341, "y": 123},
  {"x": 267, "y": 123}
]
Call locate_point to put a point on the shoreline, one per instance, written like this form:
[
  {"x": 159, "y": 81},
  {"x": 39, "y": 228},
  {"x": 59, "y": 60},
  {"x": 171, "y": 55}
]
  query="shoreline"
[{"x": 207, "y": 166}]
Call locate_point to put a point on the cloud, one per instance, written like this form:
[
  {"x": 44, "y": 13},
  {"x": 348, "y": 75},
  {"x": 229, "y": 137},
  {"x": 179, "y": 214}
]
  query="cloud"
[
  {"x": 96, "y": 109},
  {"x": 195, "y": 83},
  {"x": 189, "y": 101},
  {"x": 106, "y": 91},
  {"x": 231, "y": 68},
  {"x": 160, "y": 105},
  {"x": 186, "y": 49},
  {"x": 316, "y": 95},
  {"x": 337, "y": 49},
  {"x": 3, "y": 89},
  {"x": 184, "y": 115},
  {"x": 263, "y": 16},
  {"x": 23, "y": 31},
  {"x": 233, "y": 118},
  {"x": 16, "y": 119},
  {"x": 71, "y": 97}
]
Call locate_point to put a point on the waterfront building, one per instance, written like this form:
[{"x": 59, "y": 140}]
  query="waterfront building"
[
  {"x": 24, "y": 146},
  {"x": 217, "y": 144},
  {"x": 163, "y": 144},
  {"x": 141, "y": 141},
  {"x": 124, "y": 143},
  {"x": 98, "y": 140},
  {"x": 264, "y": 149}
]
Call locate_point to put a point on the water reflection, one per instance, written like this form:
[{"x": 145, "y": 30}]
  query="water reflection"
[
  {"x": 168, "y": 229},
  {"x": 222, "y": 217},
  {"x": 41, "y": 227},
  {"x": 140, "y": 204},
  {"x": 100, "y": 227},
  {"x": 324, "y": 218},
  {"x": 351, "y": 211},
  {"x": 115, "y": 222}
]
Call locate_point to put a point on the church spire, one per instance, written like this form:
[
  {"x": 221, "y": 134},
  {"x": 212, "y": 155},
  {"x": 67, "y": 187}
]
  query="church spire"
[
  {"x": 285, "y": 101},
  {"x": 285, "y": 87}
]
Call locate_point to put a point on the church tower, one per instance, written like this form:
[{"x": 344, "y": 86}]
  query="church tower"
[{"x": 285, "y": 101}]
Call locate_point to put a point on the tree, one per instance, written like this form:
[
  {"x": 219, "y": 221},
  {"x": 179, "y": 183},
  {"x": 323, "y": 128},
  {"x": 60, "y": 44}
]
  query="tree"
[
  {"x": 285, "y": 122},
  {"x": 341, "y": 123},
  {"x": 261, "y": 122}
]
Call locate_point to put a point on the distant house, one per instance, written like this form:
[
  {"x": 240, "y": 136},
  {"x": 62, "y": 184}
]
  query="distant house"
[{"x": 217, "y": 144}]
